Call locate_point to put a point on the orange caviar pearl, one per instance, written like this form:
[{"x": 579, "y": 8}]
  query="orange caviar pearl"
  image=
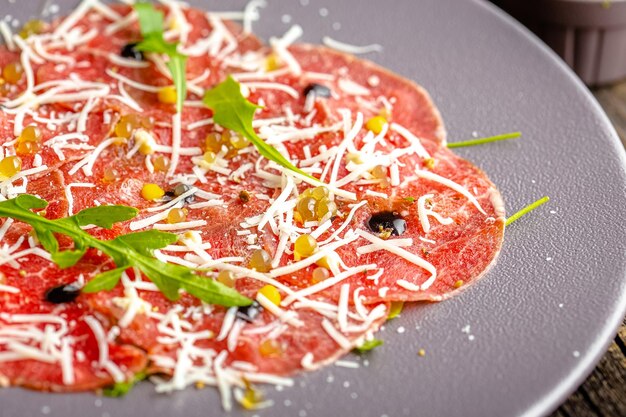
[
  {"x": 10, "y": 166},
  {"x": 110, "y": 175},
  {"x": 13, "y": 72},
  {"x": 26, "y": 148},
  {"x": 270, "y": 348},
  {"x": 260, "y": 260},
  {"x": 227, "y": 278},
  {"x": 177, "y": 215},
  {"x": 160, "y": 163},
  {"x": 319, "y": 274}
]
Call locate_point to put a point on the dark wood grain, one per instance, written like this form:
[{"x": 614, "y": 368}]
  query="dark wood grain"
[{"x": 603, "y": 394}]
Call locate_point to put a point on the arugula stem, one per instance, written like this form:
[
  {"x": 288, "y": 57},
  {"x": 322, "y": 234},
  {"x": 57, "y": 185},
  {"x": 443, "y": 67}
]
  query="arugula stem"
[
  {"x": 481, "y": 141},
  {"x": 527, "y": 209},
  {"x": 233, "y": 111},
  {"x": 126, "y": 250},
  {"x": 152, "y": 31}
]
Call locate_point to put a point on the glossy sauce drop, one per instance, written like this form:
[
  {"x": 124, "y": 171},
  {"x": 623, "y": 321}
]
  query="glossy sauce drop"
[
  {"x": 318, "y": 90},
  {"x": 130, "y": 51},
  {"x": 62, "y": 294},
  {"x": 249, "y": 313},
  {"x": 387, "y": 221}
]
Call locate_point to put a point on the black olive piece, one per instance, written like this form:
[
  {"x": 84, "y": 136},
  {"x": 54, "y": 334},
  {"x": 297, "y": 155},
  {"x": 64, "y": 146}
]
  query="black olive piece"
[
  {"x": 130, "y": 51},
  {"x": 249, "y": 313},
  {"x": 65, "y": 293},
  {"x": 318, "y": 90},
  {"x": 387, "y": 220}
]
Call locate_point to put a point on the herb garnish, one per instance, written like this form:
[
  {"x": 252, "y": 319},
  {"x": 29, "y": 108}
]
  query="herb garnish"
[
  {"x": 232, "y": 111},
  {"x": 368, "y": 345},
  {"x": 395, "y": 309},
  {"x": 481, "y": 141},
  {"x": 120, "y": 389},
  {"x": 127, "y": 251},
  {"x": 151, "y": 24},
  {"x": 527, "y": 209}
]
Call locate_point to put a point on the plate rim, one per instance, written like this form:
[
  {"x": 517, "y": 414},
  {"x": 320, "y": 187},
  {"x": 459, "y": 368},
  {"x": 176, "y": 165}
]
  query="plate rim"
[{"x": 589, "y": 359}]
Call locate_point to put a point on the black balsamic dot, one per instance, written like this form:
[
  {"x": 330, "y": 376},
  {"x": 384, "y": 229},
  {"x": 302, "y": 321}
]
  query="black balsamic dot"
[
  {"x": 130, "y": 51},
  {"x": 62, "y": 294},
  {"x": 249, "y": 313},
  {"x": 318, "y": 90},
  {"x": 387, "y": 221}
]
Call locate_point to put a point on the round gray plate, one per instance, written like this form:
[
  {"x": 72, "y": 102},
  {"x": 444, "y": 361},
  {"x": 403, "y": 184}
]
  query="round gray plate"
[{"x": 523, "y": 338}]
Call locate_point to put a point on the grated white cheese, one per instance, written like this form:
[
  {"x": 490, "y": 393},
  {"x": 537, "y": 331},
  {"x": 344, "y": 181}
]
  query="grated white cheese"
[
  {"x": 5, "y": 30},
  {"x": 289, "y": 317},
  {"x": 336, "y": 335},
  {"x": 416, "y": 144},
  {"x": 280, "y": 45},
  {"x": 450, "y": 184},
  {"x": 101, "y": 339},
  {"x": 88, "y": 161},
  {"x": 407, "y": 285},
  {"x": 351, "y": 88},
  {"x": 423, "y": 213},
  {"x": 181, "y": 226},
  {"x": 227, "y": 323},
  {"x": 191, "y": 191},
  {"x": 251, "y": 14},
  {"x": 126, "y": 62},
  {"x": 9, "y": 289},
  {"x": 67, "y": 362},
  {"x": 176, "y": 140},
  {"x": 345, "y": 224},
  {"x": 376, "y": 194},
  {"x": 70, "y": 198},
  {"x": 342, "y": 310},
  {"x": 362, "y": 250},
  {"x": 383, "y": 244},
  {"x": 327, "y": 283},
  {"x": 272, "y": 86},
  {"x": 351, "y": 49},
  {"x": 143, "y": 223}
]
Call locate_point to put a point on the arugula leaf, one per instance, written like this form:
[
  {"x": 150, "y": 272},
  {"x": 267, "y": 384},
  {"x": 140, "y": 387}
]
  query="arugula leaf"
[
  {"x": 120, "y": 389},
  {"x": 369, "y": 345},
  {"x": 114, "y": 214},
  {"x": 150, "y": 19},
  {"x": 481, "y": 141},
  {"x": 232, "y": 111},
  {"x": 152, "y": 29},
  {"x": 527, "y": 209},
  {"x": 127, "y": 251},
  {"x": 105, "y": 281},
  {"x": 146, "y": 242}
]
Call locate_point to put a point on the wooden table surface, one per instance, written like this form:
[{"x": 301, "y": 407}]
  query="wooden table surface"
[{"x": 603, "y": 394}]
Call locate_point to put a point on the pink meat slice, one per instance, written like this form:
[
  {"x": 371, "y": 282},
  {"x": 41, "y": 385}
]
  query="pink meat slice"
[
  {"x": 460, "y": 252},
  {"x": 34, "y": 276}
]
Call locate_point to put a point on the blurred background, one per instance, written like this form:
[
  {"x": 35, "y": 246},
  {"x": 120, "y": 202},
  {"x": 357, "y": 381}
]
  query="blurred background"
[{"x": 590, "y": 35}]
